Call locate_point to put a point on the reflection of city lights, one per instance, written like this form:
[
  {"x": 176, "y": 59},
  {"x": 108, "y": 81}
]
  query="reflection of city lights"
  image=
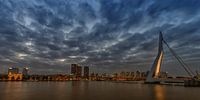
[{"x": 159, "y": 92}]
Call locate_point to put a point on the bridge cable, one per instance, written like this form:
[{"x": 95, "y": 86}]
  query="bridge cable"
[{"x": 184, "y": 65}]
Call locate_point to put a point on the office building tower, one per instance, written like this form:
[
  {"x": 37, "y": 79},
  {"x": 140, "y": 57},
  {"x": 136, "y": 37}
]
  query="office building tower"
[
  {"x": 79, "y": 71},
  {"x": 86, "y": 72},
  {"x": 76, "y": 70},
  {"x": 13, "y": 70}
]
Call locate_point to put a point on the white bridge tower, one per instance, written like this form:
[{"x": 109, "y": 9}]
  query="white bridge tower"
[{"x": 155, "y": 69}]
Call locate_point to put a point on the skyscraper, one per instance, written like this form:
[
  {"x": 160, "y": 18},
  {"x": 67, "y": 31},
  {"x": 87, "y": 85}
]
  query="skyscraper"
[
  {"x": 73, "y": 69},
  {"x": 76, "y": 70},
  {"x": 79, "y": 71},
  {"x": 86, "y": 72}
]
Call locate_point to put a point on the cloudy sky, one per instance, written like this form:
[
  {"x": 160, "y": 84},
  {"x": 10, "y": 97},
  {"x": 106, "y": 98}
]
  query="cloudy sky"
[{"x": 108, "y": 35}]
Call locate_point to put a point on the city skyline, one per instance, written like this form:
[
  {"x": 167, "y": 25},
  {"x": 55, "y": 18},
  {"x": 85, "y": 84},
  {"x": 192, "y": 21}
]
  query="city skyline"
[
  {"x": 109, "y": 36},
  {"x": 78, "y": 73}
]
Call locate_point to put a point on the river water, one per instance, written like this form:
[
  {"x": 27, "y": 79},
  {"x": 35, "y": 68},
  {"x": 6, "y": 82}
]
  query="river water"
[{"x": 93, "y": 90}]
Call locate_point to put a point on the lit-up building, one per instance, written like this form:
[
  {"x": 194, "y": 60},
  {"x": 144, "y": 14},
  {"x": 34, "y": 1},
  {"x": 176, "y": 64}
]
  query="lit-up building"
[
  {"x": 13, "y": 70},
  {"x": 132, "y": 74},
  {"x": 14, "y": 75},
  {"x": 122, "y": 74},
  {"x": 86, "y": 72},
  {"x": 76, "y": 70},
  {"x": 163, "y": 75},
  {"x": 25, "y": 71}
]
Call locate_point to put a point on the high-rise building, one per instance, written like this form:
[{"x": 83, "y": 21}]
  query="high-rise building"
[
  {"x": 13, "y": 74},
  {"x": 73, "y": 69},
  {"x": 79, "y": 71},
  {"x": 25, "y": 71},
  {"x": 132, "y": 74},
  {"x": 13, "y": 70},
  {"x": 86, "y": 72},
  {"x": 76, "y": 70}
]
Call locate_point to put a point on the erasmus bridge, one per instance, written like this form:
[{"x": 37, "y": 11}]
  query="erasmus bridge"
[{"x": 153, "y": 75}]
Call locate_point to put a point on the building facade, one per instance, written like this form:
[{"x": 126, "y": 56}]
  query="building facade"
[
  {"x": 14, "y": 75},
  {"x": 13, "y": 70},
  {"x": 76, "y": 70},
  {"x": 86, "y": 72},
  {"x": 25, "y": 71}
]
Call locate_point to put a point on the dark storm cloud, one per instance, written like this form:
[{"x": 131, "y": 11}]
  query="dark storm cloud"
[{"x": 113, "y": 35}]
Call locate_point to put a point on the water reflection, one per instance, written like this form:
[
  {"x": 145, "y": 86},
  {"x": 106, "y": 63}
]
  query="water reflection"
[
  {"x": 12, "y": 91},
  {"x": 86, "y": 90},
  {"x": 159, "y": 92},
  {"x": 79, "y": 90}
]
